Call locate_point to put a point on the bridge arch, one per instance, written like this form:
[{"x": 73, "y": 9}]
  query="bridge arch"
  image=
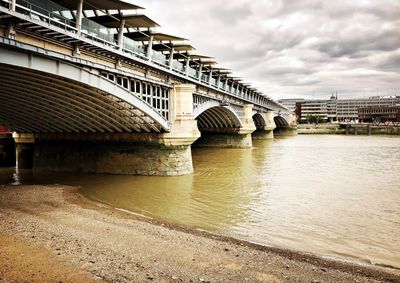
[
  {"x": 211, "y": 116},
  {"x": 259, "y": 121},
  {"x": 43, "y": 95},
  {"x": 280, "y": 122}
]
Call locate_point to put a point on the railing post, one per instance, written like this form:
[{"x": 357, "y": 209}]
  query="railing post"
[
  {"x": 171, "y": 58},
  {"x": 13, "y": 3},
  {"x": 79, "y": 13},
  {"x": 210, "y": 78},
  {"x": 200, "y": 72},
  {"x": 121, "y": 34},
  {"x": 149, "y": 51},
  {"x": 187, "y": 66}
]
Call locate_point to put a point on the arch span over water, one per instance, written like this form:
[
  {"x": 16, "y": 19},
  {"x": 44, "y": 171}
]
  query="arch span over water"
[{"x": 42, "y": 95}]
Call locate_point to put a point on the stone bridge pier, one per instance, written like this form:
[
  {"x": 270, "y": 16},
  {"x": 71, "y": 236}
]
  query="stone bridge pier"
[
  {"x": 24, "y": 150},
  {"x": 164, "y": 154},
  {"x": 265, "y": 125}
]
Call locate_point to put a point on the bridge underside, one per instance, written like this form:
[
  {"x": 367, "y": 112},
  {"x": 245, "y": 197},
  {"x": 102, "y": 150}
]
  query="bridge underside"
[
  {"x": 218, "y": 119},
  {"x": 283, "y": 128},
  {"x": 264, "y": 126},
  {"x": 220, "y": 127},
  {"x": 32, "y": 101}
]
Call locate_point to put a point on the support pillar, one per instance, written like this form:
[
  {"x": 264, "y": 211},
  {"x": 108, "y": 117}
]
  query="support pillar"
[
  {"x": 266, "y": 132},
  {"x": 184, "y": 126},
  {"x": 149, "y": 51},
  {"x": 24, "y": 145},
  {"x": 10, "y": 33},
  {"x": 247, "y": 126},
  {"x": 171, "y": 58},
  {"x": 7, "y": 150},
  {"x": 121, "y": 34},
  {"x": 200, "y": 72},
  {"x": 79, "y": 14},
  {"x": 218, "y": 81},
  {"x": 210, "y": 78},
  {"x": 13, "y": 4}
]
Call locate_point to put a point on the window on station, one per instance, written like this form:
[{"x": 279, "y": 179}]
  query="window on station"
[
  {"x": 119, "y": 80},
  {"x": 125, "y": 83}
]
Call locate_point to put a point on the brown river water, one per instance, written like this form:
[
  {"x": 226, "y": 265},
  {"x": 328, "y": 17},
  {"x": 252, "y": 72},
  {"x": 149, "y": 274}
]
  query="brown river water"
[{"x": 334, "y": 196}]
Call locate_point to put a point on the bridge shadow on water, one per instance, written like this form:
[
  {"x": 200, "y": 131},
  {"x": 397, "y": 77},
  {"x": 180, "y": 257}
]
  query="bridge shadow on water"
[{"x": 224, "y": 180}]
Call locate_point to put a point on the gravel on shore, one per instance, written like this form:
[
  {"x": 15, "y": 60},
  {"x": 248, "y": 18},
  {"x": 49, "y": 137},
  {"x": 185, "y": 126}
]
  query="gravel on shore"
[{"x": 52, "y": 234}]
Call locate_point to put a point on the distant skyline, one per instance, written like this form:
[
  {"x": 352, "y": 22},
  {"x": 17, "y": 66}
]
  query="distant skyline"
[{"x": 289, "y": 49}]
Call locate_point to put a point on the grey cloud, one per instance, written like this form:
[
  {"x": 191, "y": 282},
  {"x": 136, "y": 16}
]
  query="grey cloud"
[
  {"x": 361, "y": 45},
  {"x": 290, "y": 48}
]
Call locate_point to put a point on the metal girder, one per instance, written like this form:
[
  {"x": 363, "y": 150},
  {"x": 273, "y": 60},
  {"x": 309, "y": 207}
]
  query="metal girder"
[
  {"x": 73, "y": 102},
  {"x": 215, "y": 116},
  {"x": 55, "y": 86}
]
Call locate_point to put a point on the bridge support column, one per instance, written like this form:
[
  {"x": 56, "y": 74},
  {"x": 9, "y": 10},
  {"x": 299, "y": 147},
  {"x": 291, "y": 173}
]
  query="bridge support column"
[
  {"x": 248, "y": 127},
  {"x": 7, "y": 150},
  {"x": 24, "y": 145},
  {"x": 225, "y": 140},
  {"x": 265, "y": 132},
  {"x": 162, "y": 154},
  {"x": 286, "y": 131}
]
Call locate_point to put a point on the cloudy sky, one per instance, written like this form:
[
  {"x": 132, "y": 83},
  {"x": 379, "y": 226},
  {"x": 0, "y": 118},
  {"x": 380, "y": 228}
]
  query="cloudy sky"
[{"x": 294, "y": 48}]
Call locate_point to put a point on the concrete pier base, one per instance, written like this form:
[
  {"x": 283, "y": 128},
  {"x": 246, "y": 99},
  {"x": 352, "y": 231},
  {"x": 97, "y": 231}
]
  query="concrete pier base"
[
  {"x": 24, "y": 155},
  {"x": 113, "y": 158},
  {"x": 289, "y": 131},
  {"x": 224, "y": 140},
  {"x": 24, "y": 148},
  {"x": 262, "y": 135},
  {"x": 7, "y": 150}
]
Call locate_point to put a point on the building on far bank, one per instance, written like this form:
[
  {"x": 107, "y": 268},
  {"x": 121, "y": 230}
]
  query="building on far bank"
[
  {"x": 379, "y": 113},
  {"x": 291, "y": 103},
  {"x": 315, "y": 107},
  {"x": 341, "y": 110},
  {"x": 347, "y": 109}
]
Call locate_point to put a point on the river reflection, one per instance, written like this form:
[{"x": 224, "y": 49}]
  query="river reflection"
[{"x": 337, "y": 196}]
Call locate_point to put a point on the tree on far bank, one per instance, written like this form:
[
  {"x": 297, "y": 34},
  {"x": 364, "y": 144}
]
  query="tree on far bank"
[{"x": 314, "y": 119}]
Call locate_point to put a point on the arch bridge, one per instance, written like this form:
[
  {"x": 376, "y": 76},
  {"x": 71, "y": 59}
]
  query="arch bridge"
[{"x": 91, "y": 85}]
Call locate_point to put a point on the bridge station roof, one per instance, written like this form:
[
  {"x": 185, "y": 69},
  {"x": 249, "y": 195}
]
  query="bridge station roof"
[
  {"x": 169, "y": 46},
  {"x": 206, "y": 63},
  {"x": 236, "y": 79},
  {"x": 221, "y": 71},
  {"x": 98, "y": 5},
  {"x": 158, "y": 36},
  {"x": 135, "y": 21}
]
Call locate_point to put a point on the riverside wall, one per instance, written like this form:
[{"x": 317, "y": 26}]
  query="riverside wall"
[{"x": 349, "y": 129}]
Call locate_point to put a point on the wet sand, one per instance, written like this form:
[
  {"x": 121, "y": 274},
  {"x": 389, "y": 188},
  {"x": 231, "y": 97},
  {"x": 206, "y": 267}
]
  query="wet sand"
[{"x": 51, "y": 233}]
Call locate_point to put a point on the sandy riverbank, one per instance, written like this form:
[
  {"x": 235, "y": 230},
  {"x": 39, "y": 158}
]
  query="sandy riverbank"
[{"x": 51, "y": 233}]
